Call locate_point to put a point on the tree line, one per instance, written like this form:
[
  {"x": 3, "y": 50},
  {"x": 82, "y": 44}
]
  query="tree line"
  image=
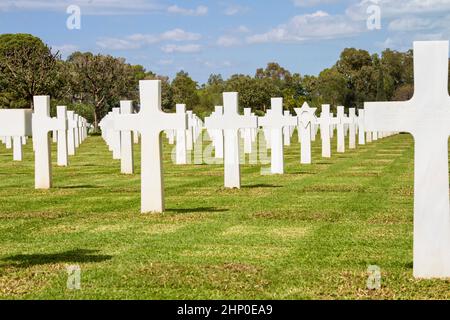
[{"x": 92, "y": 84}]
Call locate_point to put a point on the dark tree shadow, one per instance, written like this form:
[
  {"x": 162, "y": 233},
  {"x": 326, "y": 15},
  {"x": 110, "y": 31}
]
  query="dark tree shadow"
[
  {"x": 196, "y": 210},
  {"x": 73, "y": 256},
  {"x": 254, "y": 186}
]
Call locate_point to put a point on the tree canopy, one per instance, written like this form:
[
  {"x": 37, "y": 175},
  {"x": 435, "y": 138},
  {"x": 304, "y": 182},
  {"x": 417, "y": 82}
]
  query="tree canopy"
[{"x": 92, "y": 84}]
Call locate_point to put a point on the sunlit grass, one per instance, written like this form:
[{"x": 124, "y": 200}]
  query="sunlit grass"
[{"x": 310, "y": 233}]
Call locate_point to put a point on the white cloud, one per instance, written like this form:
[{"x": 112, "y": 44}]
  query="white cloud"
[
  {"x": 411, "y": 24},
  {"x": 311, "y": 3},
  {"x": 242, "y": 29},
  {"x": 65, "y": 50},
  {"x": 88, "y": 7},
  {"x": 180, "y": 35},
  {"x": 188, "y": 48},
  {"x": 234, "y": 9},
  {"x": 398, "y": 8},
  {"x": 165, "y": 62},
  {"x": 318, "y": 25},
  {"x": 199, "y": 11},
  {"x": 137, "y": 41},
  {"x": 227, "y": 41}
]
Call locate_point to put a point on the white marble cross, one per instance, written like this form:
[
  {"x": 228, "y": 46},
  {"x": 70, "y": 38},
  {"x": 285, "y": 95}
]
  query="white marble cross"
[
  {"x": 126, "y": 141},
  {"x": 287, "y": 130},
  {"x": 361, "y": 128},
  {"x": 326, "y": 121},
  {"x": 427, "y": 117},
  {"x": 181, "y": 144},
  {"x": 306, "y": 117},
  {"x": 42, "y": 124},
  {"x": 275, "y": 121},
  {"x": 247, "y": 133},
  {"x": 115, "y": 136},
  {"x": 352, "y": 128},
  {"x": 71, "y": 132},
  {"x": 150, "y": 122},
  {"x": 231, "y": 122},
  {"x": 15, "y": 123},
  {"x": 61, "y": 134},
  {"x": 342, "y": 120},
  {"x": 217, "y": 135}
]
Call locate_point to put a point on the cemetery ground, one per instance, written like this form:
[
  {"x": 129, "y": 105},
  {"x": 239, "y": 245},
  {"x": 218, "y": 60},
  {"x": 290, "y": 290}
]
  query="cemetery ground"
[{"x": 308, "y": 234}]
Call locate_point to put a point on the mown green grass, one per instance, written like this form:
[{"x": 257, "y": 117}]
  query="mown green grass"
[{"x": 308, "y": 234}]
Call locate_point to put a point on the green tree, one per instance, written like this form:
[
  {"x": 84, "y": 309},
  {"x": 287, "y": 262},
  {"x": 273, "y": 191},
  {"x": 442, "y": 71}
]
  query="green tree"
[
  {"x": 27, "y": 68},
  {"x": 185, "y": 90},
  {"x": 101, "y": 81}
]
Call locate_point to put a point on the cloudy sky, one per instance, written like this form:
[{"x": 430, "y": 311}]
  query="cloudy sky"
[{"x": 227, "y": 37}]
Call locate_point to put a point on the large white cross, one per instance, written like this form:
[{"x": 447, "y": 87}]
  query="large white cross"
[
  {"x": 61, "y": 134},
  {"x": 181, "y": 144},
  {"x": 361, "y": 128},
  {"x": 427, "y": 117},
  {"x": 306, "y": 117},
  {"x": 231, "y": 122},
  {"x": 352, "y": 128},
  {"x": 150, "y": 122},
  {"x": 247, "y": 133},
  {"x": 72, "y": 126},
  {"x": 126, "y": 142},
  {"x": 275, "y": 121},
  {"x": 326, "y": 121},
  {"x": 15, "y": 123},
  {"x": 342, "y": 120},
  {"x": 42, "y": 125}
]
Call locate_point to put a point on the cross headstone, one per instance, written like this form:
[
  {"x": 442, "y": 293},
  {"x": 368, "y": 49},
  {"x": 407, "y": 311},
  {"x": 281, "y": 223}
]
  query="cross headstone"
[
  {"x": 427, "y": 117},
  {"x": 306, "y": 117},
  {"x": 126, "y": 142},
  {"x": 115, "y": 136},
  {"x": 352, "y": 128},
  {"x": 150, "y": 122},
  {"x": 231, "y": 122},
  {"x": 62, "y": 151},
  {"x": 71, "y": 132},
  {"x": 247, "y": 132},
  {"x": 361, "y": 128},
  {"x": 326, "y": 121},
  {"x": 15, "y": 123},
  {"x": 181, "y": 144},
  {"x": 342, "y": 120},
  {"x": 42, "y": 124},
  {"x": 276, "y": 121}
]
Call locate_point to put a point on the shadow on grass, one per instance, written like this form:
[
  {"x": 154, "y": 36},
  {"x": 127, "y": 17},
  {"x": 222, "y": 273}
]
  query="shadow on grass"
[
  {"x": 196, "y": 210},
  {"x": 255, "y": 186},
  {"x": 73, "y": 256},
  {"x": 83, "y": 186}
]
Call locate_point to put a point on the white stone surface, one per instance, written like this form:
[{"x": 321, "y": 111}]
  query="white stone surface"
[
  {"x": 326, "y": 121},
  {"x": 231, "y": 122},
  {"x": 427, "y": 117},
  {"x": 352, "y": 128},
  {"x": 275, "y": 121},
  {"x": 61, "y": 138},
  {"x": 361, "y": 128},
  {"x": 126, "y": 141},
  {"x": 150, "y": 122},
  {"x": 306, "y": 117},
  {"x": 42, "y": 124},
  {"x": 181, "y": 145}
]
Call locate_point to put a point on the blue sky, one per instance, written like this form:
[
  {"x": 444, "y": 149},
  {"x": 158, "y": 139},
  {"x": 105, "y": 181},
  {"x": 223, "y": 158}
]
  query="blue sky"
[{"x": 227, "y": 37}]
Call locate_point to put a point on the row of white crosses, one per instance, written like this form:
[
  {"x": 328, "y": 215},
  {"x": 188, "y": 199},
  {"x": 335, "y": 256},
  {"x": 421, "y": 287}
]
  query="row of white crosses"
[
  {"x": 69, "y": 129},
  {"x": 430, "y": 130}
]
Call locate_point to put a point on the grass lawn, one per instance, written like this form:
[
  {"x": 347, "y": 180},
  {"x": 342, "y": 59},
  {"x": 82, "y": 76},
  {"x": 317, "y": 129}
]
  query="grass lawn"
[{"x": 308, "y": 234}]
